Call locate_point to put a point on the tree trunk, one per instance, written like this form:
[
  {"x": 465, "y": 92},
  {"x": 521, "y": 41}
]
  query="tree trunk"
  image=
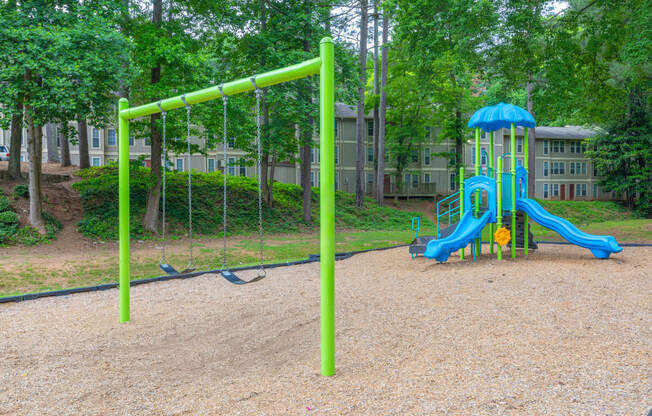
[
  {"x": 376, "y": 91},
  {"x": 14, "y": 146},
  {"x": 150, "y": 221},
  {"x": 270, "y": 189},
  {"x": 531, "y": 153},
  {"x": 82, "y": 131},
  {"x": 360, "y": 119},
  {"x": 306, "y": 151},
  {"x": 380, "y": 175},
  {"x": 51, "y": 136},
  {"x": 34, "y": 156},
  {"x": 65, "y": 149}
]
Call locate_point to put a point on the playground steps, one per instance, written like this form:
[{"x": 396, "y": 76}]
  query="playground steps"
[{"x": 520, "y": 231}]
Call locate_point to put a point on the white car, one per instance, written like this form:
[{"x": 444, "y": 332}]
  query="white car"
[{"x": 4, "y": 152}]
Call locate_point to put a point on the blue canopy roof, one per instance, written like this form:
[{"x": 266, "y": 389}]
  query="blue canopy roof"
[{"x": 501, "y": 116}]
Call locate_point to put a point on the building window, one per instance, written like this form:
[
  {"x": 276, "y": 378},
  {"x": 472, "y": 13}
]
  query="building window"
[
  {"x": 545, "y": 147},
  {"x": 453, "y": 182},
  {"x": 96, "y": 139},
  {"x": 580, "y": 189},
  {"x": 337, "y": 125},
  {"x": 583, "y": 168},
  {"x": 545, "y": 190},
  {"x": 473, "y": 152},
  {"x": 232, "y": 166},
  {"x": 132, "y": 140},
  {"x": 519, "y": 145},
  {"x": 561, "y": 168},
  {"x": 555, "y": 189},
  {"x": 243, "y": 168},
  {"x": 483, "y": 135},
  {"x": 571, "y": 166},
  {"x": 415, "y": 181},
  {"x": 426, "y": 178},
  {"x": 110, "y": 137},
  {"x": 337, "y": 181},
  {"x": 572, "y": 146},
  {"x": 314, "y": 155},
  {"x": 370, "y": 178},
  {"x": 427, "y": 136},
  {"x": 583, "y": 189},
  {"x": 370, "y": 154},
  {"x": 415, "y": 155},
  {"x": 211, "y": 165},
  {"x": 180, "y": 164},
  {"x": 22, "y": 158},
  {"x": 370, "y": 128},
  {"x": 555, "y": 168},
  {"x": 148, "y": 141},
  {"x": 595, "y": 190},
  {"x": 426, "y": 156},
  {"x": 337, "y": 155},
  {"x": 96, "y": 161},
  {"x": 519, "y": 162},
  {"x": 58, "y": 135},
  {"x": 555, "y": 146},
  {"x": 545, "y": 168},
  {"x": 583, "y": 147},
  {"x": 562, "y": 144},
  {"x": 312, "y": 178},
  {"x": 595, "y": 170}
]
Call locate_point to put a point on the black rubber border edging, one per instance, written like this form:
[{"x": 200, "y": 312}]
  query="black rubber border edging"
[{"x": 312, "y": 258}]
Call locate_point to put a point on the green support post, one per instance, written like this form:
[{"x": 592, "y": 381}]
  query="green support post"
[
  {"x": 499, "y": 203},
  {"x": 461, "y": 203},
  {"x": 492, "y": 228},
  {"x": 512, "y": 150},
  {"x": 123, "y": 215},
  {"x": 478, "y": 195},
  {"x": 525, "y": 165},
  {"x": 327, "y": 206}
]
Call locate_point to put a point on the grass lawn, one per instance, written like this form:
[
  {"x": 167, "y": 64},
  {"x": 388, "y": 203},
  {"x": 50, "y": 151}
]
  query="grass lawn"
[{"x": 32, "y": 277}]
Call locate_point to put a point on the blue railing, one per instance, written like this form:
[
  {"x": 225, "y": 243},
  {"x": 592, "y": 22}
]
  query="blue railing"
[{"x": 452, "y": 208}]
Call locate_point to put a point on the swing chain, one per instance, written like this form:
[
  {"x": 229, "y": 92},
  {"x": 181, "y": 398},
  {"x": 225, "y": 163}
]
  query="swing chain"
[
  {"x": 164, "y": 156},
  {"x": 192, "y": 262},
  {"x": 259, "y": 94},
  {"x": 224, "y": 104}
]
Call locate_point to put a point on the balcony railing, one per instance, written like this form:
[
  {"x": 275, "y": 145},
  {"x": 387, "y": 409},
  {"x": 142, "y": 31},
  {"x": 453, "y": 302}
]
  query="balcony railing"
[{"x": 410, "y": 189}]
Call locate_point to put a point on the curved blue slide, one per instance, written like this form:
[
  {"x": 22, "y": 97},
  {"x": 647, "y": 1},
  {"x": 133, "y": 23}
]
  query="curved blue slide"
[
  {"x": 600, "y": 245},
  {"x": 467, "y": 229}
]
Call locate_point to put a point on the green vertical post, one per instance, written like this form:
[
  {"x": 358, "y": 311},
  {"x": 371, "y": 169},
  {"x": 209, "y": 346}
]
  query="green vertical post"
[
  {"x": 327, "y": 205},
  {"x": 478, "y": 163},
  {"x": 525, "y": 165},
  {"x": 461, "y": 203},
  {"x": 499, "y": 203},
  {"x": 123, "y": 190},
  {"x": 492, "y": 174},
  {"x": 512, "y": 150}
]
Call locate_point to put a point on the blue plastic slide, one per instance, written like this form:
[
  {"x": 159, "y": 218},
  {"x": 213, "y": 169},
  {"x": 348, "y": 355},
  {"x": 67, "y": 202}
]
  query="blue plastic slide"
[
  {"x": 467, "y": 229},
  {"x": 600, "y": 245}
]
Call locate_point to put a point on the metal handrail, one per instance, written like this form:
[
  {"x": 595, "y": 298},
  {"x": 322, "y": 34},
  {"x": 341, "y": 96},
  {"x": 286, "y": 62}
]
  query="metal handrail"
[{"x": 450, "y": 211}]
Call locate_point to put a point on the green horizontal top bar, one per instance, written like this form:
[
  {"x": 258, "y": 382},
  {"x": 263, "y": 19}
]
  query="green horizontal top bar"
[{"x": 300, "y": 70}]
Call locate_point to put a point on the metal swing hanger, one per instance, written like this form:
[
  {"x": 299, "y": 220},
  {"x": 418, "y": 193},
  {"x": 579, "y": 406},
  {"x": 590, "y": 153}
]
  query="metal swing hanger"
[{"x": 227, "y": 274}]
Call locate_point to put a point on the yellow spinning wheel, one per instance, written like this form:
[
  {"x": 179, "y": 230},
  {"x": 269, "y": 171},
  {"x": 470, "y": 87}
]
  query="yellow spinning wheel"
[{"x": 502, "y": 236}]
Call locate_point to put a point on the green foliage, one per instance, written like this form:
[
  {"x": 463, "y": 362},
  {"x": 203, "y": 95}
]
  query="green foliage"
[
  {"x": 585, "y": 212},
  {"x": 8, "y": 218},
  {"x": 21, "y": 190},
  {"x": 4, "y": 204},
  {"x": 99, "y": 195}
]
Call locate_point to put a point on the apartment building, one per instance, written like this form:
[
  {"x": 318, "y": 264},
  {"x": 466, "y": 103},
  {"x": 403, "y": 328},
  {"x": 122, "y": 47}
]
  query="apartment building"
[{"x": 562, "y": 169}]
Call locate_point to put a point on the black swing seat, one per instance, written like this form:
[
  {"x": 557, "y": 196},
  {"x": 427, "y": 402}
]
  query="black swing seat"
[
  {"x": 232, "y": 278},
  {"x": 171, "y": 271}
]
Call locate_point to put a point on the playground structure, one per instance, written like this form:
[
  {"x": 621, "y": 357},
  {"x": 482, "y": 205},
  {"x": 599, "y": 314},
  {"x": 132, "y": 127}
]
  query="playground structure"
[
  {"x": 322, "y": 65},
  {"x": 491, "y": 196}
]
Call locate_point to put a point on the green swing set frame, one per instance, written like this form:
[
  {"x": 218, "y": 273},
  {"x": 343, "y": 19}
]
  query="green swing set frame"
[{"x": 324, "y": 65}]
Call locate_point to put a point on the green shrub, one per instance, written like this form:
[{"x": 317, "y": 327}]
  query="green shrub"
[
  {"x": 21, "y": 191},
  {"x": 99, "y": 195},
  {"x": 4, "y": 204},
  {"x": 28, "y": 236},
  {"x": 8, "y": 218}
]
